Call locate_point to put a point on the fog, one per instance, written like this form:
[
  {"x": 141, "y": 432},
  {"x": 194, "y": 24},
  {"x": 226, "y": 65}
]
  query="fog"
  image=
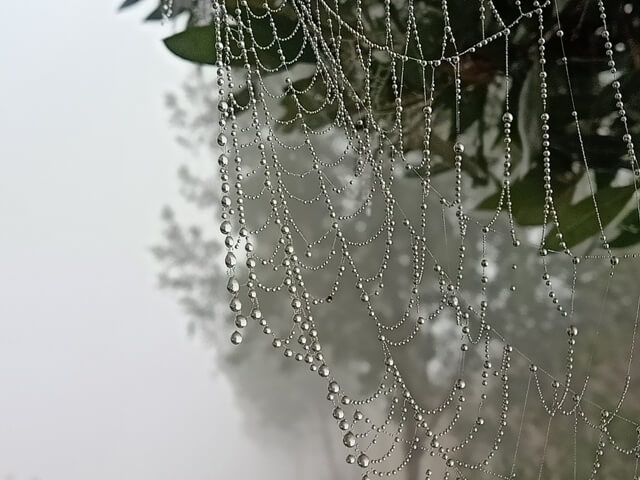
[{"x": 98, "y": 379}]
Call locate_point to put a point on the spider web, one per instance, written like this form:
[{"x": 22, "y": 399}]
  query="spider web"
[{"x": 327, "y": 210}]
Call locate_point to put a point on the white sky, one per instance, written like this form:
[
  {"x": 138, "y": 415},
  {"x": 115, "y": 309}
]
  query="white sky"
[{"x": 97, "y": 378}]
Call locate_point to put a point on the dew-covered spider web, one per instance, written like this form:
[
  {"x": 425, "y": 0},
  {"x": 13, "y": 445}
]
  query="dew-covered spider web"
[{"x": 338, "y": 221}]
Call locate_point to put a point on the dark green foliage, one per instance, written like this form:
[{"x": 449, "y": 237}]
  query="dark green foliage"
[
  {"x": 194, "y": 44},
  {"x": 483, "y": 78},
  {"x": 579, "y": 222},
  {"x": 629, "y": 231},
  {"x": 527, "y": 196}
]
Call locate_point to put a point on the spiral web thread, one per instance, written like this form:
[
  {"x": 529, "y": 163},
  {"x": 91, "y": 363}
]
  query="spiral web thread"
[{"x": 443, "y": 438}]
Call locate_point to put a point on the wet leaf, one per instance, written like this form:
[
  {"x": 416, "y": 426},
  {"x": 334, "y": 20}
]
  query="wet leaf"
[
  {"x": 156, "y": 14},
  {"x": 527, "y": 197},
  {"x": 629, "y": 231},
  {"x": 197, "y": 44},
  {"x": 528, "y": 117},
  {"x": 472, "y": 107},
  {"x": 128, "y": 3},
  {"x": 578, "y": 222},
  {"x": 194, "y": 44}
]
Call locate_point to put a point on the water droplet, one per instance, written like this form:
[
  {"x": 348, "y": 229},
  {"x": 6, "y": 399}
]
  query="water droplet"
[
  {"x": 225, "y": 227},
  {"x": 233, "y": 286},
  {"x": 363, "y": 460},
  {"x": 236, "y": 338},
  {"x": 230, "y": 260},
  {"x": 452, "y": 300},
  {"x": 349, "y": 440},
  {"x": 235, "y": 305}
]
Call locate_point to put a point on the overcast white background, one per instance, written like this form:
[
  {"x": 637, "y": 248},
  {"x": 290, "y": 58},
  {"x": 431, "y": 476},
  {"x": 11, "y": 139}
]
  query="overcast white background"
[{"x": 98, "y": 379}]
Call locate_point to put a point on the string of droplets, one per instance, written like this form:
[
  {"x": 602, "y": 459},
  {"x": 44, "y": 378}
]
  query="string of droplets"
[
  {"x": 234, "y": 31},
  {"x": 167, "y": 9}
]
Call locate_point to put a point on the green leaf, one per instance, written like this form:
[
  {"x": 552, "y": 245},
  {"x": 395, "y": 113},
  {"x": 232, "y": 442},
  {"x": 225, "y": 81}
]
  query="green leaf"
[
  {"x": 629, "y": 231},
  {"x": 195, "y": 44},
  {"x": 472, "y": 107},
  {"x": 578, "y": 222},
  {"x": 242, "y": 96},
  {"x": 527, "y": 197},
  {"x": 315, "y": 94},
  {"x": 156, "y": 14},
  {"x": 128, "y": 3},
  {"x": 528, "y": 119},
  {"x": 604, "y": 177},
  {"x": 605, "y": 152}
]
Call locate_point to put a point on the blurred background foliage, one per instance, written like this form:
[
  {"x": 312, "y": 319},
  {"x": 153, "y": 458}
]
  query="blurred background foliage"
[
  {"x": 483, "y": 80},
  {"x": 292, "y": 403}
]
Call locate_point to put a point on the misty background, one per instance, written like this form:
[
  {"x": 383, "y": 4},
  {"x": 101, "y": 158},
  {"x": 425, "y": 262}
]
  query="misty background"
[{"x": 98, "y": 378}]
